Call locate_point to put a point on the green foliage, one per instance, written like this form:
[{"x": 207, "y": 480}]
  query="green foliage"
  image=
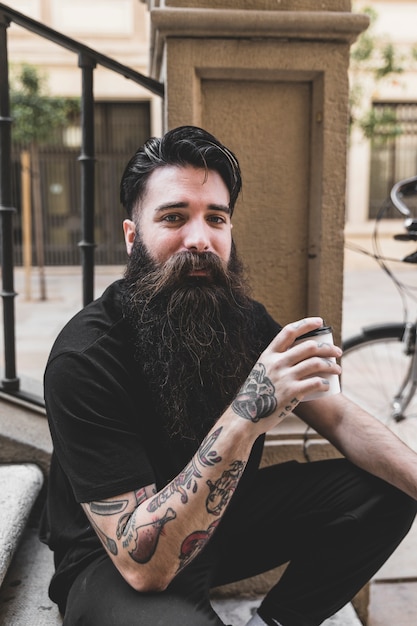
[
  {"x": 364, "y": 47},
  {"x": 372, "y": 61},
  {"x": 380, "y": 123},
  {"x": 390, "y": 63},
  {"x": 372, "y": 54},
  {"x": 36, "y": 115}
]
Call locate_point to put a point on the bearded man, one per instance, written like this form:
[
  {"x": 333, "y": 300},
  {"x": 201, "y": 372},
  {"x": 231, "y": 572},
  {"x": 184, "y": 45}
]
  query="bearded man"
[{"x": 159, "y": 395}]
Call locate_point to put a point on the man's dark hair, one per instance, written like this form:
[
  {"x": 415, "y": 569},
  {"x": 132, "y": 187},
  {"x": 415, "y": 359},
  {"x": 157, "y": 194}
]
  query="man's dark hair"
[{"x": 186, "y": 145}]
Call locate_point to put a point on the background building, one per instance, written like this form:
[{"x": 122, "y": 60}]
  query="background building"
[
  {"x": 387, "y": 106},
  {"x": 126, "y": 114}
]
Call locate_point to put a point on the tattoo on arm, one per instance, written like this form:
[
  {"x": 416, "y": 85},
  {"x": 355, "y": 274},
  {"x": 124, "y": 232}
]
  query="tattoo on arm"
[
  {"x": 143, "y": 494},
  {"x": 256, "y": 398},
  {"x": 107, "y": 541},
  {"x": 222, "y": 490},
  {"x": 143, "y": 540},
  {"x": 114, "y": 507},
  {"x": 108, "y": 508},
  {"x": 220, "y": 493},
  {"x": 194, "y": 543},
  {"x": 186, "y": 481}
]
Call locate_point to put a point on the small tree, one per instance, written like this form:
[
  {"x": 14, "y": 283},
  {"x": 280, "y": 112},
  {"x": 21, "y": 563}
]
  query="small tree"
[
  {"x": 37, "y": 117},
  {"x": 373, "y": 60}
]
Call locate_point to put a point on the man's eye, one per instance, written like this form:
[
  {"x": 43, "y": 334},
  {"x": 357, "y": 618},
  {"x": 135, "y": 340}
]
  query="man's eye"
[
  {"x": 170, "y": 218},
  {"x": 217, "y": 219}
]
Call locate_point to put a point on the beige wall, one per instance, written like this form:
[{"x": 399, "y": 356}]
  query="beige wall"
[{"x": 281, "y": 147}]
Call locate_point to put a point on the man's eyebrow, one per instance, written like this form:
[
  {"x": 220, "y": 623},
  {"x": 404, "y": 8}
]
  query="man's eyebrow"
[
  {"x": 171, "y": 205},
  {"x": 224, "y": 208}
]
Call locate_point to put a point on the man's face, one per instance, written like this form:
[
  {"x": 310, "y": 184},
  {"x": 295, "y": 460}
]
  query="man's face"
[
  {"x": 183, "y": 209},
  {"x": 186, "y": 300}
]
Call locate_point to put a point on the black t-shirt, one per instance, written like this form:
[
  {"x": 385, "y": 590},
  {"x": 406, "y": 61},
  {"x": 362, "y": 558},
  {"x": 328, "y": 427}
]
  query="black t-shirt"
[{"x": 108, "y": 439}]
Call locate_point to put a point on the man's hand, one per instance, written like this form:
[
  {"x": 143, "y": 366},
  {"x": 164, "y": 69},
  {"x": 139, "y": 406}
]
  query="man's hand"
[{"x": 284, "y": 374}]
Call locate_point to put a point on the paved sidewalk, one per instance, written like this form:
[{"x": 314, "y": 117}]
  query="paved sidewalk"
[
  {"x": 39, "y": 321},
  {"x": 369, "y": 297}
]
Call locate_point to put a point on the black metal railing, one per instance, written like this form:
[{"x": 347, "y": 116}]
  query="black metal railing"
[{"x": 88, "y": 59}]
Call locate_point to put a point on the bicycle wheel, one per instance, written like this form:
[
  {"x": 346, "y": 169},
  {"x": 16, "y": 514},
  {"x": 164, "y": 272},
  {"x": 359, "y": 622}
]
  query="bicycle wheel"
[{"x": 375, "y": 366}]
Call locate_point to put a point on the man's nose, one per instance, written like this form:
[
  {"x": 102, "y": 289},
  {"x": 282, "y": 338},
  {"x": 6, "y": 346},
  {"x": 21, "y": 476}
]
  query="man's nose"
[{"x": 196, "y": 236}]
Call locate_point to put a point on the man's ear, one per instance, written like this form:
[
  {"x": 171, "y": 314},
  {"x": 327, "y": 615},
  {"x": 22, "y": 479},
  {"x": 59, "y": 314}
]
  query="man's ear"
[{"x": 129, "y": 229}]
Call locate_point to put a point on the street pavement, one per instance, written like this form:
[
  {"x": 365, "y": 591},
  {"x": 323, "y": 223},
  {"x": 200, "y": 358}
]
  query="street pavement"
[{"x": 369, "y": 297}]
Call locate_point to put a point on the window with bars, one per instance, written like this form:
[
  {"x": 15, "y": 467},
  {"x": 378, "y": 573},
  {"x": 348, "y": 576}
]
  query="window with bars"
[
  {"x": 393, "y": 151},
  {"x": 120, "y": 128}
]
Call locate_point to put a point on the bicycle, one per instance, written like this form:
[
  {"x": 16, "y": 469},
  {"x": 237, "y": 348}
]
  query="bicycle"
[{"x": 379, "y": 365}]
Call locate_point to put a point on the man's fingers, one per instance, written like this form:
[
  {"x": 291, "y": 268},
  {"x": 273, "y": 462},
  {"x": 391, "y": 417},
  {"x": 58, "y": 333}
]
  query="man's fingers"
[{"x": 292, "y": 331}]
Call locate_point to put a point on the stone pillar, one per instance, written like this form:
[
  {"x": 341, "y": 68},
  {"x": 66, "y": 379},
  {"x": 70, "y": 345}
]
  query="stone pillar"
[{"x": 269, "y": 78}]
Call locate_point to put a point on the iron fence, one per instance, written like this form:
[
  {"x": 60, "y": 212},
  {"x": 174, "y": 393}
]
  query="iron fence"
[
  {"x": 88, "y": 59},
  {"x": 393, "y": 152}
]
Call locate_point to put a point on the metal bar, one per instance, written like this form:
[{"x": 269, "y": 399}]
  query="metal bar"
[
  {"x": 87, "y": 162},
  {"x": 71, "y": 44},
  {"x": 88, "y": 59},
  {"x": 10, "y": 381}
]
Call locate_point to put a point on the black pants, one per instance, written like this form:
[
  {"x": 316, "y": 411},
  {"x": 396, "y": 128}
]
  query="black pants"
[{"x": 334, "y": 523}]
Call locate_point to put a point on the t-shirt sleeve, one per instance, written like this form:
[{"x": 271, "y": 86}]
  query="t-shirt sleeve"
[{"x": 94, "y": 426}]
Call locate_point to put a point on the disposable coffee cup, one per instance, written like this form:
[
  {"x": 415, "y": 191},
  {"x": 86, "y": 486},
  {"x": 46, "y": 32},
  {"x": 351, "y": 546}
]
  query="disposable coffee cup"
[{"x": 322, "y": 335}]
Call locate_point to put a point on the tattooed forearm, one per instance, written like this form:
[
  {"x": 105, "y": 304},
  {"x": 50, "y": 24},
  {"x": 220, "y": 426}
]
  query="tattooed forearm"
[
  {"x": 222, "y": 490},
  {"x": 143, "y": 494},
  {"x": 206, "y": 456},
  {"x": 144, "y": 539},
  {"x": 194, "y": 543},
  {"x": 256, "y": 398},
  {"x": 107, "y": 542},
  {"x": 104, "y": 507},
  {"x": 116, "y": 507}
]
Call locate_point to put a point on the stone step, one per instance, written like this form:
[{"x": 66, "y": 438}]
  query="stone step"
[
  {"x": 20, "y": 485},
  {"x": 24, "y": 597},
  {"x": 237, "y": 611}
]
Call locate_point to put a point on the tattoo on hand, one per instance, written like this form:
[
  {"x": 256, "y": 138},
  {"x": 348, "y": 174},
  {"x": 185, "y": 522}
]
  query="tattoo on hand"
[
  {"x": 222, "y": 490},
  {"x": 289, "y": 407},
  {"x": 298, "y": 324},
  {"x": 205, "y": 456},
  {"x": 256, "y": 398}
]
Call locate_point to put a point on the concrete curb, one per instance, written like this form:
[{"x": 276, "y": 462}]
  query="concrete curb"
[
  {"x": 19, "y": 488},
  {"x": 238, "y": 611}
]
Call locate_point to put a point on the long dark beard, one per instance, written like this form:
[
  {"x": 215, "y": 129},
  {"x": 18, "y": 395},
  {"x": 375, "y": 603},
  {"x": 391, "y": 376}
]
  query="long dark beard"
[{"x": 193, "y": 334}]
